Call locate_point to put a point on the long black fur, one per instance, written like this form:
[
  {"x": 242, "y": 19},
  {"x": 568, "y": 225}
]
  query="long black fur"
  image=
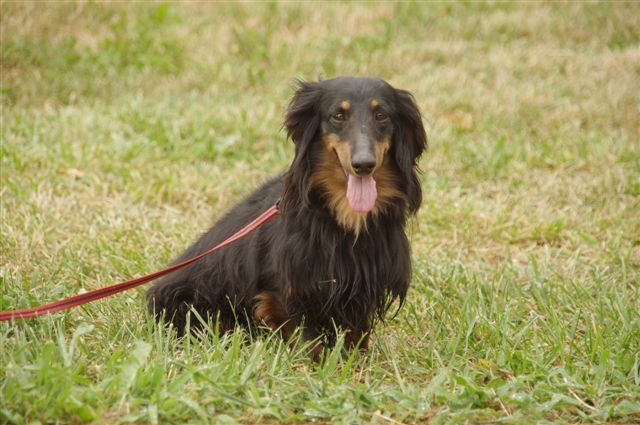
[{"x": 323, "y": 275}]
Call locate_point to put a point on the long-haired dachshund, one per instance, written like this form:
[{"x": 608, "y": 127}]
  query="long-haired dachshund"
[{"x": 337, "y": 257}]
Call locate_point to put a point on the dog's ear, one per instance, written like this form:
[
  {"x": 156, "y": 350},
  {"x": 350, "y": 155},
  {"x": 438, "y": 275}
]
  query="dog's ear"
[
  {"x": 302, "y": 122},
  {"x": 302, "y": 118},
  {"x": 410, "y": 140}
]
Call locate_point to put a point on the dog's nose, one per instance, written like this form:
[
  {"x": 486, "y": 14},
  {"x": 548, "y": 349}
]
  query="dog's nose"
[{"x": 363, "y": 166}]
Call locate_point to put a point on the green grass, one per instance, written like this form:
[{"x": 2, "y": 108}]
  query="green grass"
[{"x": 127, "y": 128}]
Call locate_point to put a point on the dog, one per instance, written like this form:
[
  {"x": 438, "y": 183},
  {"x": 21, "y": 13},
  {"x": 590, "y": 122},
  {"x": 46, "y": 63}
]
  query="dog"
[{"x": 337, "y": 257}]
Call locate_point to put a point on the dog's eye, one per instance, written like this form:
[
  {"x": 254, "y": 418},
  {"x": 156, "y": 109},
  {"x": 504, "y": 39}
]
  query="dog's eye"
[
  {"x": 381, "y": 116},
  {"x": 339, "y": 117}
]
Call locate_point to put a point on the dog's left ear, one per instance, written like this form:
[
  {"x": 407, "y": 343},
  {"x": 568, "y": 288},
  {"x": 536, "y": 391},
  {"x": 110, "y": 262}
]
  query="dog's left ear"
[{"x": 410, "y": 140}]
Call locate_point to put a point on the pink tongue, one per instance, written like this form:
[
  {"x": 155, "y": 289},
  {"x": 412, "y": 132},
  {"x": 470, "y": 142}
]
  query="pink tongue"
[{"x": 361, "y": 193}]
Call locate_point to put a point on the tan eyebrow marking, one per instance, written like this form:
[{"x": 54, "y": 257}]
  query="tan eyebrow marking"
[
  {"x": 345, "y": 105},
  {"x": 374, "y": 103}
]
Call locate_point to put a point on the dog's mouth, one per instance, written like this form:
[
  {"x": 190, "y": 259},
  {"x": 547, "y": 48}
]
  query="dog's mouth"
[{"x": 361, "y": 192}]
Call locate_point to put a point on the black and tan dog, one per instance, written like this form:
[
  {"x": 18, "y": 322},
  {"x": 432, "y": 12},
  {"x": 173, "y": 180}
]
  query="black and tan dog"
[{"x": 337, "y": 257}]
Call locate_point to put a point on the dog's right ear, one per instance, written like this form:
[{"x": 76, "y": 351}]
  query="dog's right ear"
[
  {"x": 302, "y": 118},
  {"x": 302, "y": 122}
]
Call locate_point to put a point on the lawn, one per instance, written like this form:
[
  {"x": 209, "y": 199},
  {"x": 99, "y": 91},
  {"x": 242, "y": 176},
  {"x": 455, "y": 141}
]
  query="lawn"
[{"x": 128, "y": 128}]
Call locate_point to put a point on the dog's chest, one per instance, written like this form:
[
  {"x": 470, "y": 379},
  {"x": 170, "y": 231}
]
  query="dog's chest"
[{"x": 344, "y": 262}]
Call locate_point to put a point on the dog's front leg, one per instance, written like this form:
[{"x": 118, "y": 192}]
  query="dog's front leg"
[
  {"x": 357, "y": 338},
  {"x": 318, "y": 346}
]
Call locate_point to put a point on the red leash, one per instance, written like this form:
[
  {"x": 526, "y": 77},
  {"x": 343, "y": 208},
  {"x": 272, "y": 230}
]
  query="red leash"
[{"x": 123, "y": 286}]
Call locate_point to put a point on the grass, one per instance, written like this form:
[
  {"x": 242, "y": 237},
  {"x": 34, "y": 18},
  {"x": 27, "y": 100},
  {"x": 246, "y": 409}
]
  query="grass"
[{"x": 127, "y": 127}]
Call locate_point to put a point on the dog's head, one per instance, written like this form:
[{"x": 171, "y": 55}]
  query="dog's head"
[{"x": 357, "y": 142}]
